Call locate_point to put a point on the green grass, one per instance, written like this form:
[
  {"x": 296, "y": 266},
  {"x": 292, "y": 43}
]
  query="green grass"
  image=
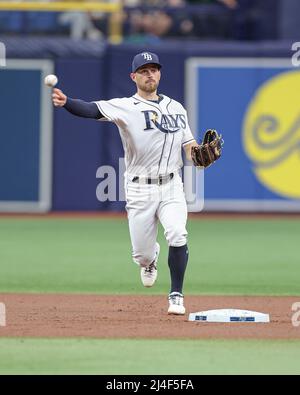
[
  {"x": 151, "y": 357},
  {"x": 93, "y": 256}
]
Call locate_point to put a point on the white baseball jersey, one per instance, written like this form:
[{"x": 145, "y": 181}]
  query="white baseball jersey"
[{"x": 152, "y": 133}]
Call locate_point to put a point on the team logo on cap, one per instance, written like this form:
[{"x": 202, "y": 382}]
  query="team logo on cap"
[{"x": 147, "y": 56}]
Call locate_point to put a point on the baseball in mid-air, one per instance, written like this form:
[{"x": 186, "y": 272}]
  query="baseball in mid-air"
[{"x": 51, "y": 80}]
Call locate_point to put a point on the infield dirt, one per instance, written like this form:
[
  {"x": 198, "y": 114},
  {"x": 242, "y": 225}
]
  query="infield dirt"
[{"x": 132, "y": 316}]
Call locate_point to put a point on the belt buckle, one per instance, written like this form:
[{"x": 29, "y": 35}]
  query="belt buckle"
[{"x": 160, "y": 180}]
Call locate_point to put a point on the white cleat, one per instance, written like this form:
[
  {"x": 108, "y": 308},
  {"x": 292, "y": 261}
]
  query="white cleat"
[
  {"x": 149, "y": 273},
  {"x": 176, "y": 304}
]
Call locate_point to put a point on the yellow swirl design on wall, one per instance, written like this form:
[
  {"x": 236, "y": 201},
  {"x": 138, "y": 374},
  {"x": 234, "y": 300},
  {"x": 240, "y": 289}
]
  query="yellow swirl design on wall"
[{"x": 271, "y": 134}]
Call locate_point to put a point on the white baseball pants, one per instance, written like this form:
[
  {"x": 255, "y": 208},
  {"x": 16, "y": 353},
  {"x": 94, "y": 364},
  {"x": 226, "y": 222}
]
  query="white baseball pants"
[{"x": 148, "y": 204}]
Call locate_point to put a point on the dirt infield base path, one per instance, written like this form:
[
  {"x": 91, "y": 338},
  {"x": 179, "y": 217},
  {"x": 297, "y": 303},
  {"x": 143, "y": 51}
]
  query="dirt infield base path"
[{"x": 132, "y": 316}]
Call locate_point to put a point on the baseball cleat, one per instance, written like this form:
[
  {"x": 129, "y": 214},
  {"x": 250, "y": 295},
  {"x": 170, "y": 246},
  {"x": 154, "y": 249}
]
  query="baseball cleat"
[
  {"x": 176, "y": 304},
  {"x": 149, "y": 273}
]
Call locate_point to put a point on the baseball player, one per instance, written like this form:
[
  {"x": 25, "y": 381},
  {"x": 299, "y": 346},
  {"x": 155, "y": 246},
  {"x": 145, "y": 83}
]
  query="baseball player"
[{"x": 153, "y": 129}]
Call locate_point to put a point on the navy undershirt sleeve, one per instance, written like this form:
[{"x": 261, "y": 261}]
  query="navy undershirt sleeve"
[{"x": 83, "y": 109}]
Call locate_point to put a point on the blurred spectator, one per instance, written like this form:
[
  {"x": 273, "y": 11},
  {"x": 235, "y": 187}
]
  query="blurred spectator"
[
  {"x": 80, "y": 25},
  {"x": 155, "y": 20},
  {"x": 256, "y": 20},
  {"x": 175, "y": 3},
  {"x": 233, "y": 4},
  {"x": 289, "y": 27},
  {"x": 228, "y": 3}
]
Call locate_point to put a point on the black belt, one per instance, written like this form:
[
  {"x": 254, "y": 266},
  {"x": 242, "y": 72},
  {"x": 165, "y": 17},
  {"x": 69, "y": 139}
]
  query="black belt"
[{"x": 159, "y": 180}]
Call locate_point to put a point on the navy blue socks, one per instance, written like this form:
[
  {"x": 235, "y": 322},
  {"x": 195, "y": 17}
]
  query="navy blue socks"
[{"x": 177, "y": 261}]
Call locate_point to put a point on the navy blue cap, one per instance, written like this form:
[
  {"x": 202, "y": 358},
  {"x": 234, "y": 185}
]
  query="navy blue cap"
[{"x": 144, "y": 58}]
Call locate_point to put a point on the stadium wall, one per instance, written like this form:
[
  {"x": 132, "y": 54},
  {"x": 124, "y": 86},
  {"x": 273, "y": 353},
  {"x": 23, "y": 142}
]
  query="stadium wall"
[{"x": 81, "y": 147}]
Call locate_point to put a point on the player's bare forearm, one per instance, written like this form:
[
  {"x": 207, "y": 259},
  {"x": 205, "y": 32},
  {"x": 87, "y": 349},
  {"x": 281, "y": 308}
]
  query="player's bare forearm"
[{"x": 188, "y": 149}]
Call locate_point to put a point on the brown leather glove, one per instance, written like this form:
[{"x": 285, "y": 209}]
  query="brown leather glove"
[{"x": 209, "y": 150}]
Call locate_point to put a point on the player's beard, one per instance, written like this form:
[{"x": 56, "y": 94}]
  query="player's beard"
[{"x": 149, "y": 87}]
